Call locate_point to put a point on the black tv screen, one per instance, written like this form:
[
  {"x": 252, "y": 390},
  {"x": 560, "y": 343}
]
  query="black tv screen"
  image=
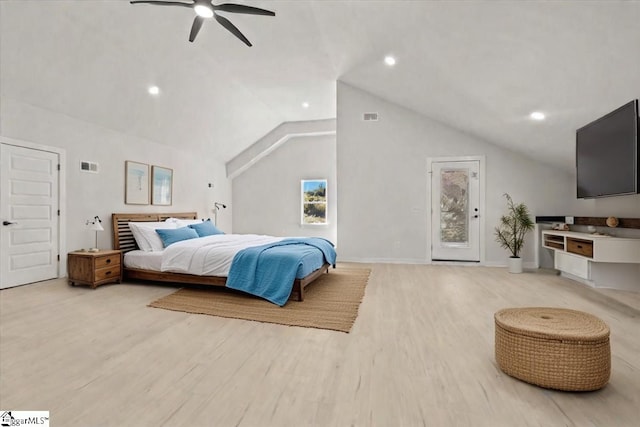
[{"x": 607, "y": 154}]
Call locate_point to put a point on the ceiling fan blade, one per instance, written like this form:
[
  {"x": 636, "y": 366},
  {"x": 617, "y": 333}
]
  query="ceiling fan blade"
[
  {"x": 197, "y": 24},
  {"x": 239, "y": 8},
  {"x": 162, "y": 3},
  {"x": 232, "y": 28}
]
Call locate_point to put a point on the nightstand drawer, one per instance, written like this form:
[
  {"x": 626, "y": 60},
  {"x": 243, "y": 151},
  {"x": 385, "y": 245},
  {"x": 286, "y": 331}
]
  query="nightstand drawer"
[
  {"x": 108, "y": 261},
  {"x": 580, "y": 247},
  {"x": 108, "y": 273}
]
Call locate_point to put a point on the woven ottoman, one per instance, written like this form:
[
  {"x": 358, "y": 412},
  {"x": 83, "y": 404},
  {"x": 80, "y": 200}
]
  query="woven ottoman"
[{"x": 553, "y": 347}]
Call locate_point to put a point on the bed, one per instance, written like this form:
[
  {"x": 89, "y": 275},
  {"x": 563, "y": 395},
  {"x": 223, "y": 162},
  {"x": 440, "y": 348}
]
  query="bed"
[{"x": 146, "y": 266}]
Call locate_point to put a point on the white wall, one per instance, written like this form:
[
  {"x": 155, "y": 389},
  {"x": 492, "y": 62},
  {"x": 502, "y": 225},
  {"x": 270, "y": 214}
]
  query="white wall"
[
  {"x": 103, "y": 194},
  {"x": 382, "y": 183},
  {"x": 619, "y": 206},
  {"x": 266, "y": 197}
]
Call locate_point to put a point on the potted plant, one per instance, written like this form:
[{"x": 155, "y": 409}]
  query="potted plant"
[{"x": 511, "y": 230}]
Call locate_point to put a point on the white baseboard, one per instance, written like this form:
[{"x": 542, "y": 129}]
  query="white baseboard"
[
  {"x": 384, "y": 260},
  {"x": 531, "y": 265}
]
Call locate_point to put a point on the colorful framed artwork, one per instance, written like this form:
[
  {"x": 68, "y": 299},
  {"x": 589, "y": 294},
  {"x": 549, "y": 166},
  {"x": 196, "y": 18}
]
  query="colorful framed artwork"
[
  {"x": 314, "y": 201},
  {"x": 161, "y": 185},
  {"x": 136, "y": 190}
]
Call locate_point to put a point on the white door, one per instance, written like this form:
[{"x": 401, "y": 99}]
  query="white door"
[
  {"x": 29, "y": 215},
  {"x": 455, "y": 207}
]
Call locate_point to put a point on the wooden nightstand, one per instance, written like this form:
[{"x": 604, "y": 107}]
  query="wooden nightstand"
[{"x": 94, "y": 268}]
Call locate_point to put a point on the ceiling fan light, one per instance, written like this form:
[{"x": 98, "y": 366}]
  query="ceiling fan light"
[{"x": 204, "y": 11}]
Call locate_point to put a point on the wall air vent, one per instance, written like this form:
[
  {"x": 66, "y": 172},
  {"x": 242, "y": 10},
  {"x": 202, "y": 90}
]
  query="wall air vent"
[
  {"x": 370, "y": 117},
  {"x": 88, "y": 166}
]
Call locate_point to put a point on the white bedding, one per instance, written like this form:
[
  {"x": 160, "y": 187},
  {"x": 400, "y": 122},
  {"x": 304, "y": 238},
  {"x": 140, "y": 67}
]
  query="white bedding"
[
  {"x": 143, "y": 260},
  {"x": 210, "y": 255}
]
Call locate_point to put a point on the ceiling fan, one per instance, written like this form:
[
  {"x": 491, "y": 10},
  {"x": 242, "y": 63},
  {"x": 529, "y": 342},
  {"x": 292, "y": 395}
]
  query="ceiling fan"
[{"x": 205, "y": 9}]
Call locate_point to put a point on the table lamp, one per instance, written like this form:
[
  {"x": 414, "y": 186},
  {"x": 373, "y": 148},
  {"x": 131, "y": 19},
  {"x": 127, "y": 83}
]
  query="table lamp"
[{"x": 96, "y": 226}]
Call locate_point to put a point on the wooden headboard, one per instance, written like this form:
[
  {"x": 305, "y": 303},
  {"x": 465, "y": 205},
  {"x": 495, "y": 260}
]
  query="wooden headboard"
[{"x": 122, "y": 236}]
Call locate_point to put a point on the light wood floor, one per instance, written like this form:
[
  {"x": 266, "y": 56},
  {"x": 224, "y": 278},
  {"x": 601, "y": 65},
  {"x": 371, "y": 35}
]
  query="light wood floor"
[{"x": 420, "y": 354}]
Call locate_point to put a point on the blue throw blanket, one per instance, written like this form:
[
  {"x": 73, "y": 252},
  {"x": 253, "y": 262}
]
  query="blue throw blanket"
[{"x": 268, "y": 271}]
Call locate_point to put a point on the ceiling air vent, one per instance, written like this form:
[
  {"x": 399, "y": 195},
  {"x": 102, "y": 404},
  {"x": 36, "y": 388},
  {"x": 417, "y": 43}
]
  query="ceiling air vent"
[
  {"x": 370, "y": 117},
  {"x": 88, "y": 166}
]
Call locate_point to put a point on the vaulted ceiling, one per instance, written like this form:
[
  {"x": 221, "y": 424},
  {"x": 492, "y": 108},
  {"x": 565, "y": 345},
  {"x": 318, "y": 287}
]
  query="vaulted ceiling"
[{"x": 479, "y": 66}]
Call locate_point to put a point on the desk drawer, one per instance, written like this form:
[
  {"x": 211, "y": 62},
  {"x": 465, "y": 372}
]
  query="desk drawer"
[
  {"x": 572, "y": 264},
  {"x": 580, "y": 247}
]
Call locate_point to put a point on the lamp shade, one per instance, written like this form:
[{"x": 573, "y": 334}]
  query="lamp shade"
[{"x": 95, "y": 226}]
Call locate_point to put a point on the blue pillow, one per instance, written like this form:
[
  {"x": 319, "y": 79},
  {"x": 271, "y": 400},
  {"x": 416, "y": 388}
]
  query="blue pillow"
[
  {"x": 173, "y": 235},
  {"x": 205, "y": 228}
]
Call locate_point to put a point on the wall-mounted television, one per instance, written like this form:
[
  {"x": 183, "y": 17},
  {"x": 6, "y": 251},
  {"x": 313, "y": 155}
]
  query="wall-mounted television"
[{"x": 608, "y": 154}]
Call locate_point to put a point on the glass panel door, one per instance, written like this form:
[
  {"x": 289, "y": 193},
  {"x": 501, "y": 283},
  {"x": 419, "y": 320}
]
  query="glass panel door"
[
  {"x": 455, "y": 201},
  {"x": 454, "y": 206}
]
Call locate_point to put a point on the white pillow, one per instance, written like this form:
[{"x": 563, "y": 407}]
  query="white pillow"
[
  {"x": 146, "y": 236},
  {"x": 179, "y": 222},
  {"x": 187, "y": 222}
]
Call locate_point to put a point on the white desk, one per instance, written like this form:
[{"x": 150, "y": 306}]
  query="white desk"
[{"x": 600, "y": 261}]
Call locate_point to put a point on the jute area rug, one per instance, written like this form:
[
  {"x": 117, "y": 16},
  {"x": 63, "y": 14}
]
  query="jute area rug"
[{"x": 331, "y": 302}]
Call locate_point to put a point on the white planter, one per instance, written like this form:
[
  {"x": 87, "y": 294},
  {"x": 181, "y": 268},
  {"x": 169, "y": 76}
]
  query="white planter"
[{"x": 515, "y": 265}]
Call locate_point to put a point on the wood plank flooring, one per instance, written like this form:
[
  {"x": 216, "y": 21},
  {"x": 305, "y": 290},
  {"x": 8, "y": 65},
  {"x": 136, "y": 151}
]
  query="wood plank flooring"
[{"x": 419, "y": 354}]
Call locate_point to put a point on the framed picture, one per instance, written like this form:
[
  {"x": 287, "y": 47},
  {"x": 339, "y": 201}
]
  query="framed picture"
[
  {"x": 161, "y": 185},
  {"x": 136, "y": 191},
  {"x": 314, "y": 201}
]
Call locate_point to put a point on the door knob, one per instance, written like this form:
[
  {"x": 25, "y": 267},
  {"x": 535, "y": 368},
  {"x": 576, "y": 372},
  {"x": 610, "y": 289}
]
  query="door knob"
[{"x": 8, "y": 222}]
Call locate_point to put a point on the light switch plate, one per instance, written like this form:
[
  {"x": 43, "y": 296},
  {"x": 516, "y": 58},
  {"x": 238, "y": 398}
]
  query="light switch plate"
[{"x": 568, "y": 220}]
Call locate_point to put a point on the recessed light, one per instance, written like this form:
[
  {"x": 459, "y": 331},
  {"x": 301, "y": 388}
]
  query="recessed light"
[
  {"x": 537, "y": 115},
  {"x": 305, "y": 105},
  {"x": 154, "y": 90},
  {"x": 390, "y": 60}
]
